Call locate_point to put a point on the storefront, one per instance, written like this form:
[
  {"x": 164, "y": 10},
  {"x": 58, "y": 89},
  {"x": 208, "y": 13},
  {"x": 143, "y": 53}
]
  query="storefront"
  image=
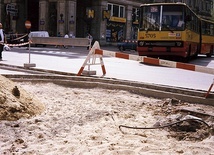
[{"x": 115, "y": 29}]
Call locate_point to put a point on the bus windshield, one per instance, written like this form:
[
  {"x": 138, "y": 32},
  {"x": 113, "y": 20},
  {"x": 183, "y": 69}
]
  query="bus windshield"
[{"x": 162, "y": 18}]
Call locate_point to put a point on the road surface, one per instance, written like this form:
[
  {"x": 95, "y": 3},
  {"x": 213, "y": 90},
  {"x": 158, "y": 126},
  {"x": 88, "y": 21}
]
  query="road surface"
[{"x": 71, "y": 59}]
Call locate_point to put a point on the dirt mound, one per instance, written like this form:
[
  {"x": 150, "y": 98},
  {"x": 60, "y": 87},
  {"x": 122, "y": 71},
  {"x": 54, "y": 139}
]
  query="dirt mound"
[{"x": 16, "y": 103}]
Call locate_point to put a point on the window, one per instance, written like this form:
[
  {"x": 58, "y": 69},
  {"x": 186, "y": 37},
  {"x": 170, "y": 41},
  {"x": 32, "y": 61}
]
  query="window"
[
  {"x": 212, "y": 29},
  {"x": 122, "y": 12},
  {"x": 162, "y": 18},
  {"x": 194, "y": 23},
  {"x": 173, "y": 18},
  {"x": 207, "y": 28},
  {"x": 135, "y": 14},
  {"x": 150, "y": 18},
  {"x": 116, "y": 10}
]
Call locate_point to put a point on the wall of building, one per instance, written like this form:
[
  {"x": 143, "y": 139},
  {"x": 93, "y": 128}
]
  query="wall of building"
[
  {"x": 80, "y": 17},
  {"x": 13, "y": 15}
]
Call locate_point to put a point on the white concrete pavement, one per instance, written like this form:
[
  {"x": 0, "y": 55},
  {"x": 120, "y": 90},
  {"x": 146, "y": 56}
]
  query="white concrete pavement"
[{"x": 70, "y": 60}]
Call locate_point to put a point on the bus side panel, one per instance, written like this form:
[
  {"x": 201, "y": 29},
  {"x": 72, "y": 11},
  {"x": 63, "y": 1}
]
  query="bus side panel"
[
  {"x": 192, "y": 40},
  {"x": 207, "y": 44}
]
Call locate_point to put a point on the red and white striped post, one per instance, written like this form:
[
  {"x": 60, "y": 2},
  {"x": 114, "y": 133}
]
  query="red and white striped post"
[{"x": 208, "y": 92}]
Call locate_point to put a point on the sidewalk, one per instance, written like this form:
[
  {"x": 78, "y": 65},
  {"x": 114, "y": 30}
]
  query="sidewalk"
[{"x": 49, "y": 58}]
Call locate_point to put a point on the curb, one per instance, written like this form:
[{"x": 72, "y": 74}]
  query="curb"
[
  {"x": 150, "y": 90},
  {"x": 155, "y": 61}
]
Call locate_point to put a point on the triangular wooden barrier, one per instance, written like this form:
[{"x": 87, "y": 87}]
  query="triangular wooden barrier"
[{"x": 91, "y": 59}]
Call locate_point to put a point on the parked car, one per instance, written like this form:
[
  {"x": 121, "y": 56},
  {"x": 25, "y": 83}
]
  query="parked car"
[
  {"x": 39, "y": 34},
  {"x": 127, "y": 45}
]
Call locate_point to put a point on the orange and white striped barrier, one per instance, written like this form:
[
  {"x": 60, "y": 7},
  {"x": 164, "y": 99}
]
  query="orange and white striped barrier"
[
  {"x": 16, "y": 45},
  {"x": 19, "y": 44},
  {"x": 19, "y": 38},
  {"x": 160, "y": 62}
]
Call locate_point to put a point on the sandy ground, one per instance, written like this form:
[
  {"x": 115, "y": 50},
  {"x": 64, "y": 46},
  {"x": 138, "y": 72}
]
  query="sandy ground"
[{"x": 86, "y": 122}]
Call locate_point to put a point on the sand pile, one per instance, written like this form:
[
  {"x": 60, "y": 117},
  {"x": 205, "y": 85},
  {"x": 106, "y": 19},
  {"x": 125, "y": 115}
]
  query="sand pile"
[
  {"x": 16, "y": 103},
  {"x": 86, "y": 122}
]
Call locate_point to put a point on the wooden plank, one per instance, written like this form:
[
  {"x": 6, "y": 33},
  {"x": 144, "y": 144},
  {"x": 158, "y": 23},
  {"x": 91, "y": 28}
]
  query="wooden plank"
[{"x": 60, "y": 41}]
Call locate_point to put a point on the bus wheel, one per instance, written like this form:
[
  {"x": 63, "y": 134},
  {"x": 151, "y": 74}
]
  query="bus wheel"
[
  {"x": 196, "y": 53},
  {"x": 209, "y": 55},
  {"x": 211, "y": 52},
  {"x": 187, "y": 58}
]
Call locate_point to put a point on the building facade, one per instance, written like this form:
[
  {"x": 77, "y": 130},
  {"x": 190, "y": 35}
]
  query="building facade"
[{"x": 108, "y": 21}]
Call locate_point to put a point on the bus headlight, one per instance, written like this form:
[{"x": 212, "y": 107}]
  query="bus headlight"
[
  {"x": 179, "y": 44},
  {"x": 141, "y": 43}
]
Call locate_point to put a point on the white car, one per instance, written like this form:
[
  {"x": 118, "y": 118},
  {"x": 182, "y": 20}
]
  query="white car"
[{"x": 38, "y": 34}]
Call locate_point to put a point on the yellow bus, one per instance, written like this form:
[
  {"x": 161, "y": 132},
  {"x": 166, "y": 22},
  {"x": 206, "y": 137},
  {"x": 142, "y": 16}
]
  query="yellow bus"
[{"x": 173, "y": 29}]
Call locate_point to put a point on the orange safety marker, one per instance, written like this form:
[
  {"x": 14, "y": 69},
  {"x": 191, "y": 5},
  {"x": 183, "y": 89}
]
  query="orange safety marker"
[
  {"x": 91, "y": 60},
  {"x": 208, "y": 92}
]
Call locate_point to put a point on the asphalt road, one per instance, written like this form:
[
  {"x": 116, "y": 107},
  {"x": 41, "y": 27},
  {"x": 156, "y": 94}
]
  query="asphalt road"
[{"x": 71, "y": 60}]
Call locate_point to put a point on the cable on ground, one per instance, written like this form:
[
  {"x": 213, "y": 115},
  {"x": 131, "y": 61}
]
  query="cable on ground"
[{"x": 167, "y": 125}]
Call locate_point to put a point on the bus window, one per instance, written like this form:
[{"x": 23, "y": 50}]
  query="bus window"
[
  {"x": 212, "y": 29},
  {"x": 173, "y": 18},
  {"x": 206, "y": 28},
  {"x": 192, "y": 21},
  {"x": 151, "y": 18},
  {"x": 177, "y": 21},
  {"x": 203, "y": 27}
]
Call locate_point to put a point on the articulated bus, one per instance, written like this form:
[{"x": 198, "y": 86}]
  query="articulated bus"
[{"x": 173, "y": 29}]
